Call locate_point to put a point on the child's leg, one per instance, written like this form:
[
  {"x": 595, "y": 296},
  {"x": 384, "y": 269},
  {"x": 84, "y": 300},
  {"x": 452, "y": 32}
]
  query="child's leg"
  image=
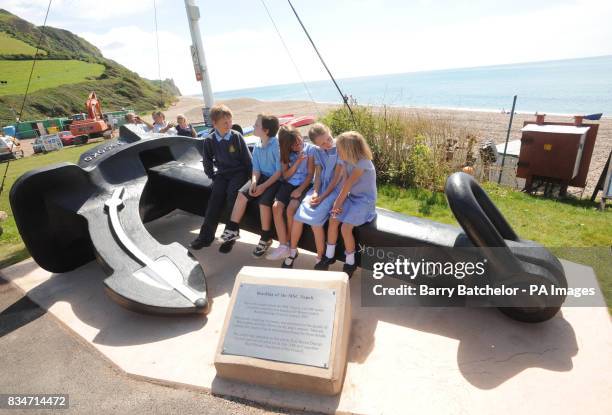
[
  {"x": 332, "y": 231},
  {"x": 265, "y": 216},
  {"x": 349, "y": 243},
  {"x": 214, "y": 209},
  {"x": 332, "y": 237},
  {"x": 278, "y": 209},
  {"x": 235, "y": 195},
  {"x": 296, "y": 233},
  {"x": 319, "y": 235},
  {"x": 239, "y": 208},
  {"x": 291, "y": 209}
]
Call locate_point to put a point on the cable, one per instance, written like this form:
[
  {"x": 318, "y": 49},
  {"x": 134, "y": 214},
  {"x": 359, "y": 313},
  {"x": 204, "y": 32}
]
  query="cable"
[
  {"x": 161, "y": 89},
  {"x": 344, "y": 97},
  {"x": 25, "y": 95},
  {"x": 42, "y": 33},
  {"x": 291, "y": 58}
]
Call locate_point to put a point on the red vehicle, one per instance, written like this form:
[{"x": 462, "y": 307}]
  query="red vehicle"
[{"x": 69, "y": 139}]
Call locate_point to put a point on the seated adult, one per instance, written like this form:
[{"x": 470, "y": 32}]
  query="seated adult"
[
  {"x": 141, "y": 125},
  {"x": 183, "y": 127},
  {"x": 160, "y": 125}
]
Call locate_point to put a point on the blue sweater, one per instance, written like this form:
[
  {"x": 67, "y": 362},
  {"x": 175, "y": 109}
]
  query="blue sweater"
[{"x": 226, "y": 156}]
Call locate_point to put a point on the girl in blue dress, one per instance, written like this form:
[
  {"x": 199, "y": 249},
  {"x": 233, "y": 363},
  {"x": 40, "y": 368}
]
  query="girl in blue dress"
[
  {"x": 316, "y": 206},
  {"x": 356, "y": 202},
  {"x": 297, "y": 167}
]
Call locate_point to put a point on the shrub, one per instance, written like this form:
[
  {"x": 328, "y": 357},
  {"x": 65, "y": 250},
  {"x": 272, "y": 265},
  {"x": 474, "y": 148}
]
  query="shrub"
[{"x": 410, "y": 149}]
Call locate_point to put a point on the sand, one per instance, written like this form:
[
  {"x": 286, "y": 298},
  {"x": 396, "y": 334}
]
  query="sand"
[{"x": 486, "y": 125}]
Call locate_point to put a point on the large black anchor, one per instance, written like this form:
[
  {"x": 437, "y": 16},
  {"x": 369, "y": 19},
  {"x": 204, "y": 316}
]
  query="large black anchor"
[{"x": 70, "y": 214}]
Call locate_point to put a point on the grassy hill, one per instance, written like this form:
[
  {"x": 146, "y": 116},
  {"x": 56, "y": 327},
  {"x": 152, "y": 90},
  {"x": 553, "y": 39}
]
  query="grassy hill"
[
  {"x": 47, "y": 74},
  {"x": 67, "y": 70},
  {"x": 14, "y": 47}
]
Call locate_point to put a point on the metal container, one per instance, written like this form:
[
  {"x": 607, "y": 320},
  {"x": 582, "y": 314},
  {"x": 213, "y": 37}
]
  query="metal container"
[
  {"x": 556, "y": 153},
  {"x": 551, "y": 151}
]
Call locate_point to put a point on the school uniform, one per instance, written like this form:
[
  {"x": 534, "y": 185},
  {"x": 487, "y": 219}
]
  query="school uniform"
[
  {"x": 318, "y": 215},
  {"x": 266, "y": 161},
  {"x": 227, "y": 161},
  {"x": 301, "y": 173},
  {"x": 360, "y": 204}
]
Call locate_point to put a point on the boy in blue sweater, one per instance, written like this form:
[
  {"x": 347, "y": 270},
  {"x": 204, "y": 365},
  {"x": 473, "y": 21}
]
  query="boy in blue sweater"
[{"x": 227, "y": 162}]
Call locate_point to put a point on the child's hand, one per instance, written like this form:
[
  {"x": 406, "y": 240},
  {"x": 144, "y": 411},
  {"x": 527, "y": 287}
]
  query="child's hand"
[
  {"x": 314, "y": 199},
  {"x": 336, "y": 208},
  {"x": 257, "y": 191},
  {"x": 296, "y": 194},
  {"x": 252, "y": 188},
  {"x": 301, "y": 158}
]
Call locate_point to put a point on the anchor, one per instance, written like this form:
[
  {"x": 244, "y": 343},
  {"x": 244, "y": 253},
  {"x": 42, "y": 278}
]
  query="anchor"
[{"x": 70, "y": 214}]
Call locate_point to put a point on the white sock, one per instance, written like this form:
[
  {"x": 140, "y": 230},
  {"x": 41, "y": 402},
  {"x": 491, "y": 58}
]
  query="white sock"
[
  {"x": 293, "y": 252},
  {"x": 350, "y": 258},
  {"x": 330, "y": 252}
]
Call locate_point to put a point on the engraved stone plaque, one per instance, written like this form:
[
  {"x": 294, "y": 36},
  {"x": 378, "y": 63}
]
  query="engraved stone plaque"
[{"x": 282, "y": 323}]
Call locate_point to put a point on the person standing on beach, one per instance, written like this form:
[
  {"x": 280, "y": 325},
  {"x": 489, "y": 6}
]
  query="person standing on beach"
[
  {"x": 262, "y": 187},
  {"x": 227, "y": 162}
]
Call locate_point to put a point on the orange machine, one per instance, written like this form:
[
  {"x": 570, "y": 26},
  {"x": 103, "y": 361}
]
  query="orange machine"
[{"x": 94, "y": 124}]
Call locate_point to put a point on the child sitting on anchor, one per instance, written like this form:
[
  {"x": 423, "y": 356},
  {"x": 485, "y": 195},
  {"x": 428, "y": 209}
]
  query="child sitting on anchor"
[
  {"x": 316, "y": 206},
  {"x": 227, "y": 162},
  {"x": 262, "y": 187},
  {"x": 298, "y": 169},
  {"x": 356, "y": 202}
]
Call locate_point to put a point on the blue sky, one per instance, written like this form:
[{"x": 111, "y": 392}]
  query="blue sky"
[{"x": 357, "y": 38}]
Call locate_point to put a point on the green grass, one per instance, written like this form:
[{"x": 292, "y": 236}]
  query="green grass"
[
  {"x": 47, "y": 74},
  {"x": 11, "y": 46},
  {"x": 572, "y": 229},
  {"x": 12, "y": 249}
]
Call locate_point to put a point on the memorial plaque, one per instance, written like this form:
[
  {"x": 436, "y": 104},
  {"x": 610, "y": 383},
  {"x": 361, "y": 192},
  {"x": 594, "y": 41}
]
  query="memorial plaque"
[
  {"x": 285, "y": 324},
  {"x": 287, "y": 328}
]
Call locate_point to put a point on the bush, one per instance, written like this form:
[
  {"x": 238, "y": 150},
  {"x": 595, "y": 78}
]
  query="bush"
[{"x": 409, "y": 149}]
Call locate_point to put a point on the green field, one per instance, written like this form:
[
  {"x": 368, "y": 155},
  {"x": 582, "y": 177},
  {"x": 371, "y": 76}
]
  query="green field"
[
  {"x": 47, "y": 74},
  {"x": 11, "y": 46},
  {"x": 574, "y": 230}
]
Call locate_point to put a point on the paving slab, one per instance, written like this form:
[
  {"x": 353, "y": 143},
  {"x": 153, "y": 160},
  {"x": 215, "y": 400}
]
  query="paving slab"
[{"x": 401, "y": 360}]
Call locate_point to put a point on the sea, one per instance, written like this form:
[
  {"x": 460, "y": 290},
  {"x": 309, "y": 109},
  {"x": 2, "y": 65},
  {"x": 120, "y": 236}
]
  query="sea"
[{"x": 571, "y": 86}]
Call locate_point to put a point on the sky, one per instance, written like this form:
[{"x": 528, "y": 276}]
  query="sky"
[{"x": 355, "y": 37}]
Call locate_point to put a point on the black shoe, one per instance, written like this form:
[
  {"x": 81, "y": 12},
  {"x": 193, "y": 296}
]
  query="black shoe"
[
  {"x": 327, "y": 261},
  {"x": 226, "y": 247},
  {"x": 229, "y": 236},
  {"x": 321, "y": 265},
  {"x": 199, "y": 243},
  {"x": 349, "y": 269},
  {"x": 261, "y": 248},
  {"x": 288, "y": 262}
]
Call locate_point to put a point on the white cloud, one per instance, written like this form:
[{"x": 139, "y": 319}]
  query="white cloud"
[
  {"x": 83, "y": 10},
  {"x": 136, "y": 49}
]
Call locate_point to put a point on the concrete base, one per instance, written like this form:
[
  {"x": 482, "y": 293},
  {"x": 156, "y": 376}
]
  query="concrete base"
[{"x": 401, "y": 360}]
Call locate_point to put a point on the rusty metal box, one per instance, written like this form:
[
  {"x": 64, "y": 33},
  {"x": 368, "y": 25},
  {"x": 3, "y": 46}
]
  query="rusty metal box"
[{"x": 551, "y": 151}]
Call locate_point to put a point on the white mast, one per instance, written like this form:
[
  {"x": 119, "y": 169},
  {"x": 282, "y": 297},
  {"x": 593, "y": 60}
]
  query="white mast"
[{"x": 199, "y": 61}]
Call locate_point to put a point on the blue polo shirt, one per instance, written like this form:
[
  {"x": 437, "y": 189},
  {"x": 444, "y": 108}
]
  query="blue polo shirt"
[{"x": 266, "y": 160}]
